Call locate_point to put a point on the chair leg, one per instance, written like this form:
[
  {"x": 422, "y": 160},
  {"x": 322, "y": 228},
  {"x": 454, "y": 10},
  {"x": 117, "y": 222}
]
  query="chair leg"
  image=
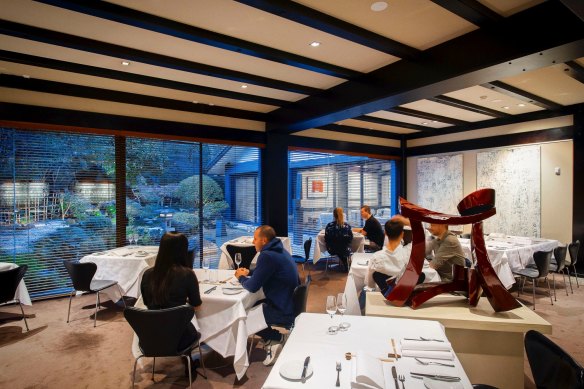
[
  {"x": 122, "y": 294},
  {"x": 96, "y": 304},
  {"x": 533, "y": 291},
  {"x": 554, "y": 279},
  {"x": 23, "y": 316},
  {"x": 549, "y": 290},
  {"x": 569, "y": 278},
  {"x": 69, "y": 311},
  {"x": 134, "y": 371},
  {"x": 576, "y": 274},
  {"x": 203, "y": 362},
  {"x": 188, "y": 357},
  {"x": 564, "y": 279}
]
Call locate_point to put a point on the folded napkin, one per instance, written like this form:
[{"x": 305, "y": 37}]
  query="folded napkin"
[
  {"x": 427, "y": 349},
  {"x": 366, "y": 372}
]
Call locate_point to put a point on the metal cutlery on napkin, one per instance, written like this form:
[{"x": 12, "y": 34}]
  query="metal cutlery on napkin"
[
  {"x": 305, "y": 369},
  {"x": 338, "y": 372},
  {"x": 210, "y": 290},
  {"x": 438, "y": 377},
  {"x": 422, "y": 339},
  {"x": 394, "y": 374}
]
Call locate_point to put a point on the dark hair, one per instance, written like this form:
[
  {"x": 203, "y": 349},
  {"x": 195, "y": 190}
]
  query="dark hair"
[
  {"x": 366, "y": 208},
  {"x": 172, "y": 255},
  {"x": 339, "y": 216},
  {"x": 267, "y": 232},
  {"x": 393, "y": 229}
]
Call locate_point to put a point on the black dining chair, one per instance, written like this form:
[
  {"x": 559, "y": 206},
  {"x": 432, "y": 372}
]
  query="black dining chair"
[
  {"x": 247, "y": 255},
  {"x": 551, "y": 366},
  {"x": 558, "y": 265},
  {"x": 82, "y": 277},
  {"x": 9, "y": 280},
  {"x": 573, "y": 249},
  {"x": 159, "y": 332},
  {"x": 304, "y": 260},
  {"x": 542, "y": 262}
]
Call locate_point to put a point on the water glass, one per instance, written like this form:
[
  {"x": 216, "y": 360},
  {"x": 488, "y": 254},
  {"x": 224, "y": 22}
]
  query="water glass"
[
  {"x": 342, "y": 307},
  {"x": 206, "y": 265},
  {"x": 331, "y": 309},
  {"x": 237, "y": 259}
]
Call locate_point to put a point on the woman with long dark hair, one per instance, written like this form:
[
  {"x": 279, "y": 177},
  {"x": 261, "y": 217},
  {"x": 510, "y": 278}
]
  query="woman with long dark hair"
[
  {"x": 338, "y": 236},
  {"x": 170, "y": 284}
]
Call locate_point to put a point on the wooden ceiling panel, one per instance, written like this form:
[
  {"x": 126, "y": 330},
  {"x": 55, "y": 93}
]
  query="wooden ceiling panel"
[
  {"x": 491, "y": 99},
  {"x": 509, "y": 7},
  {"x": 325, "y": 134},
  {"x": 376, "y": 126},
  {"x": 445, "y": 110},
  {"x": 408, "y": 119}
]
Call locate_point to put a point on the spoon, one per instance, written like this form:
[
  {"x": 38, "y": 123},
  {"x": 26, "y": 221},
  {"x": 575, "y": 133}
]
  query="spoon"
[{"x": 432, "y": 363}]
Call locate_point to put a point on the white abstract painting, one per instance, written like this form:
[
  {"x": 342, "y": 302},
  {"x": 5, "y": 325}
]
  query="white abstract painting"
[
  {"x": 440, "y": 183},
  {"x": 515, "y": 175}
]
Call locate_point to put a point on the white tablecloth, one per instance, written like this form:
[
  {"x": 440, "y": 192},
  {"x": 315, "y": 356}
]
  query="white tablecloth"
[
  {"x": 125, "y": 265},
  {"x": 225, "y": 261},
  {"x": 510, "y": 253},
  {"x": 21, "y": 292},
  {"x": 356, "y": 280},
  {"x": 224, "y": 321},
  {"x": 357, "y": 245},
  {"x": 370, "y": 334}
]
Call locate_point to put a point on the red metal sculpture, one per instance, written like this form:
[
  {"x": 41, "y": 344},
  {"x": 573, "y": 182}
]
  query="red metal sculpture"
[{"x": 473, "y": 282}]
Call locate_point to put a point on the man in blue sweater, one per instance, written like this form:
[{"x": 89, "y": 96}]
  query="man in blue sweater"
[{"x": 277, "y": 274}]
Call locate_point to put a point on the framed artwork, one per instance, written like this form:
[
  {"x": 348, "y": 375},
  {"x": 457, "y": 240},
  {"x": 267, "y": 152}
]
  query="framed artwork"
[{"x": 316, "y": 187}]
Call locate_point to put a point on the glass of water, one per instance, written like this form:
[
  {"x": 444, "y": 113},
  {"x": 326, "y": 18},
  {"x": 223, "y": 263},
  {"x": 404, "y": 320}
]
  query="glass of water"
[
  {"x": 206, "y": 265},
  {"x": 238, "y": 260},
  {"x": 342, "y": 307},
  {"x": 331, "y": 309}
]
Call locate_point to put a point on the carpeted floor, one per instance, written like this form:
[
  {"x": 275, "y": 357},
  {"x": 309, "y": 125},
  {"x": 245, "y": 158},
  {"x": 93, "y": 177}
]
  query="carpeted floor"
[{"x": 55, "y": 354}]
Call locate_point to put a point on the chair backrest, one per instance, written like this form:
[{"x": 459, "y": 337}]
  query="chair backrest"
[
  {"x": 9, "y": 280},
  {"x": 81, "y": 274},
  {"x": 560, "y": 257},
  {"x": 307, "y": 246},
  {"x": 465, "y": 236},
  {"x": 542, "y": 261},
  {"x": 159, "y": 331},
  {"x": 190, "y": 258},
  {"x": 247, "y": 254},
  {"x": 573, "y": 249},
  {"x": 301, "y": 296},
  {"x": 551, "y": 366}
]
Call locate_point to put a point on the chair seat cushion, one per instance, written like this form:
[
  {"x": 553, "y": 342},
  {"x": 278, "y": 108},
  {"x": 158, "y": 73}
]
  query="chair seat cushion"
[
  {"x": 298, "y": 259},
  {"x": 97, "y": 285},
  {"x": 527, "y": 272}
]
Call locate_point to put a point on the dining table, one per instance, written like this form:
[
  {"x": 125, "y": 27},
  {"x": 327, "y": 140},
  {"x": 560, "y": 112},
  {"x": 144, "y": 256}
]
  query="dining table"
[
  {"x": 368, "y": 339},
  {"x": 21, "y": 291},
  {"x": 356, "y": 280},
  {"x": 226, "y": 318},
  {"x": 357, "y": 245},
  {"x": 126, "y": 265},
  {"x": 225, "y": 260}
]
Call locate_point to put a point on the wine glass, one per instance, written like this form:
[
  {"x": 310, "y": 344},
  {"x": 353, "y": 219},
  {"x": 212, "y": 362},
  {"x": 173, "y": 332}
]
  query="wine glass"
[
  {"x": 237, "y": 259},
  {"x": 206, "y": 266},
  {"x": 342, "y": 307},
  {"x": 331, "y": 309}
]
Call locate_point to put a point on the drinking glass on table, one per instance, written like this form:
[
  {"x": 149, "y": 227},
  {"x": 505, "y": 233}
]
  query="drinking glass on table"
[
  {"x": 237, "y": 259},
  {"x": 331, "y": 309},
  {"x": 206, "y": 266},
  {"x": 342, "y": 307}
]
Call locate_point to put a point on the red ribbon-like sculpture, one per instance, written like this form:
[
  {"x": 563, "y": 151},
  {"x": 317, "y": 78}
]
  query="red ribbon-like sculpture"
[{"x": 473, "y": 282}]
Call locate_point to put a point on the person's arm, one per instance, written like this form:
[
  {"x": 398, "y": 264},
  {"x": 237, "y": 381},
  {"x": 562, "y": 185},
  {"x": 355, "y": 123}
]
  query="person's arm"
[
  {"x": 263, "y": 271},
  {"x": 194, "y": 295}
]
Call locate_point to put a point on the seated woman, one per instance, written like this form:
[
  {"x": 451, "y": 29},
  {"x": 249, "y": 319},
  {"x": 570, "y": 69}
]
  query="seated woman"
[
  {"x": 338, "y": 236},
  {"x": 170, "y": 284}
]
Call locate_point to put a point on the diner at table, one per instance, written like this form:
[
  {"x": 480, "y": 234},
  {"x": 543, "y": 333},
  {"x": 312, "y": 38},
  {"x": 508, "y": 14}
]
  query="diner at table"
[{"x": 227, "y": 262}]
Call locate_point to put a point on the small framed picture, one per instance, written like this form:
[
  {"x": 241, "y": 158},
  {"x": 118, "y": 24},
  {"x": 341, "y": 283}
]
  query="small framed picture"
[{"x": 317, "y": 187}]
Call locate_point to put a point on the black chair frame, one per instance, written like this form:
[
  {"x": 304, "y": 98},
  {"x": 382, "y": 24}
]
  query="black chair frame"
[
  {"x": 304, "y": 260},
  {"x": 542, "y": 262},
  {"x": 558, "y": 266},
  {"x": 247, "y": 255},
  {"x": 573, "y": 249}
]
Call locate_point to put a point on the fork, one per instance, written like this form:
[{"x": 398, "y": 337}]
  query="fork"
[
  {"x": 338, "y": 372},
  {"x": 402, "y": 378},
  {"x": 432, "y": 363}
]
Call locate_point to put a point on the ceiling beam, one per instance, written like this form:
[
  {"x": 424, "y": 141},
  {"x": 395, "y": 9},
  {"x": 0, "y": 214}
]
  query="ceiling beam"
[
  {"x": 87, "y": 92},
  {"x": 472, "y": 59},
  {"x": 472, "y": 11},
  {"x": 26, "y": 59},
  {"x": 451, "y": 101},
  {"x": 318, "y": 20},
  {"x": 360, "y": 131},
  {"x": 93, "y": 46},
  {"x": 520, "y": 94},
  {"x": 427, "y": 116},
  {"x": 574, "y": 70},
  {"x": 117, "y": 13},
  {"x": 388, "y": 122},
  {"x": 576, "y": 6}
]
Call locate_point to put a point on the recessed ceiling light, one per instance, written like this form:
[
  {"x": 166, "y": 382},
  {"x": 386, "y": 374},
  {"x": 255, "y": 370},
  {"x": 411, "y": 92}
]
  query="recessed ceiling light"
[
  {"x": 195, "y": 102},
  {"x": 505, "y": 107},
  {"x": 25, "y": 76},
  {"x": 496, "y": 101},
  {"x": 434, "y": 121},
  {"x": 378, "y": 6},
  {"x": 425, "y": 123},
  {"x": 315, "y": 44},
  {"x": 211, "y": 104},
  {"x": 521, "y": 105},
  {"x": 244, "y": 86},
  {"x": 483, "y": 97},
  {"x": 126, "y": 63}
]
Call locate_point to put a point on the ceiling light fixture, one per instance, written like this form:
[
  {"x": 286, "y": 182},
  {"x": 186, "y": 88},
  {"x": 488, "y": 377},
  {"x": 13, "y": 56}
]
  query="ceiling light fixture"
[
  {"x": 434, "y": 121},
  {"x": 496, "y": 101},
  {"x": 505, "y": 107},
  {"x": 25, "y": 76},
  {"x": 521, "y": 105},
  {"x": 244, "y": 86},
  {"x": 378, "y": 6},
  {"x": 315, "y": 44},
  {"x": 126, "y": 63},
  {"x": 211, "y": 104},
  {"x": 425, "y": 123},
  {"x": 195, "y": 102}
]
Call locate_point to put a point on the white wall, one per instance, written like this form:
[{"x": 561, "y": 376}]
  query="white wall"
[{"x": 556, "y": 191}]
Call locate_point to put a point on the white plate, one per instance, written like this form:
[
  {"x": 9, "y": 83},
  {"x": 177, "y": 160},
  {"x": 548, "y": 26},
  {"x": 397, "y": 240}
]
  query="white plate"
[
  {"x": 436, "y": 384},
  {"x": 292, "y": 370},
  {"x": 232, "y": 291}
]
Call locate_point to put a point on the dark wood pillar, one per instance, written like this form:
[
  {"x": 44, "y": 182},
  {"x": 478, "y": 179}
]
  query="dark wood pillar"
[
  {"x": 121, "y": 220},
  {"x": 275, "y": 182},
  {"x": 578, "y": 186}
]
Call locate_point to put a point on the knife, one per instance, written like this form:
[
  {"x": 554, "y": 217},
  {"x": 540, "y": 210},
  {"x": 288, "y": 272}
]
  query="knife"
[
  {"x": 394, "y": 374},
  {"x": 210, "y": 290},
  {"x": 306, "y": 362},
  {"x": 439, "y": 377}
]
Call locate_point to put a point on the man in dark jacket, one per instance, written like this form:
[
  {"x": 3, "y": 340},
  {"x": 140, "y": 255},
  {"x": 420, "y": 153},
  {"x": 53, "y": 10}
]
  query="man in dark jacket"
[{"x": 277, "y": 274}]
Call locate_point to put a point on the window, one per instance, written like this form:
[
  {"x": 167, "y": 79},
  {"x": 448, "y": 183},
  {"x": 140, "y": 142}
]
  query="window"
[
  {"x": 57, "y": 193},
  {"x": 319, "y": 182}
]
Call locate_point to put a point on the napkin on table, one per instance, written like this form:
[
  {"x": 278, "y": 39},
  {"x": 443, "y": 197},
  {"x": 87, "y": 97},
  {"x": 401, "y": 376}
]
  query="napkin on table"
[
  {"x": 366, "y": 372},
  {"x": 427, "y": 349}
]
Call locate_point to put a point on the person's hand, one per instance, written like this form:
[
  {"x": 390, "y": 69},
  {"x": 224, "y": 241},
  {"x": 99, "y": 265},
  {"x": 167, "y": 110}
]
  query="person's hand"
[{"x": 242, "y": 271}]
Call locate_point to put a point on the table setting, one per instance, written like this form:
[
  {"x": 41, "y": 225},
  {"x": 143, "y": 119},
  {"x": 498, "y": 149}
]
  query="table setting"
[{"x": 369, "y": 354}]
